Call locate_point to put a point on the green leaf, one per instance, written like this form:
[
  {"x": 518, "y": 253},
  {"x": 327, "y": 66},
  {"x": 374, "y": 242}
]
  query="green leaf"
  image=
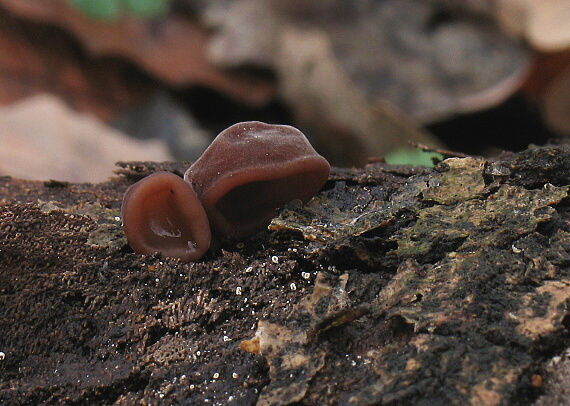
[
  {"x": 415, "y": 157},
  {"x": 147, "y": 8},
  {"x": 99, "y": 10}
]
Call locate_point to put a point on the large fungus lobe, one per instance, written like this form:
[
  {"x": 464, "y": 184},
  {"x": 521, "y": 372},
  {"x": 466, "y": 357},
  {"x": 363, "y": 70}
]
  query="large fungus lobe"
[
  {"x": 162, "y": 213},
  {"x": 250, "y": 170}
]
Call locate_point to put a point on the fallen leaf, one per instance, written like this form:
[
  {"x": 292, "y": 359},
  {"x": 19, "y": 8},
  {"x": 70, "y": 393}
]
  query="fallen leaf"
[
  {"x": 42, "y": 139},
  {"x": 40, "y": 59},
  {"x": 173, "y": 49}
]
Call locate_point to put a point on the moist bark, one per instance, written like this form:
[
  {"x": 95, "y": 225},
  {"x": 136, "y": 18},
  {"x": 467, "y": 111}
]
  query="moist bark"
[{"x": 394, "y": 285}]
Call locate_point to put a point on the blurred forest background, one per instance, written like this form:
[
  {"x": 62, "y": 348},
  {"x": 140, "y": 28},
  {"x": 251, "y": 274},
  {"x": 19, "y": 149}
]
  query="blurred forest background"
[{"x": 86, "y": 83}]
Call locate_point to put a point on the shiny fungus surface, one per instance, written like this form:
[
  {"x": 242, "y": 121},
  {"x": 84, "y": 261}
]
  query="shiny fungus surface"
[
  {"x": 162, "y": 213},
  {"x": 250, "y": 170}
]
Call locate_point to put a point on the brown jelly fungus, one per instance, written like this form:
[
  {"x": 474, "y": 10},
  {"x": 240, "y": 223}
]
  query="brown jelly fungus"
[
  {"x": 250, "y": 170},
  {"x": 162, "y": 213}
]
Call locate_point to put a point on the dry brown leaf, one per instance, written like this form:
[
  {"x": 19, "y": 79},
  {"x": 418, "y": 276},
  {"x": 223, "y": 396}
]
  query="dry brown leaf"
[
  {"x": 344, "y": 66},
  {"x": 429, "y": 66},
  {"x": 38, "y": 59},
  {"x": 344, "y": 122},
  {"x": 43, "y": 139},
  {"x": 173, "y": 49},
  {"x": 544, "y": 23},
  {"x": 235, "y": 40}
]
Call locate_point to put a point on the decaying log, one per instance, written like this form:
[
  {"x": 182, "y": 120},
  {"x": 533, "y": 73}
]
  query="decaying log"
[{"x": 395, "y": 285}]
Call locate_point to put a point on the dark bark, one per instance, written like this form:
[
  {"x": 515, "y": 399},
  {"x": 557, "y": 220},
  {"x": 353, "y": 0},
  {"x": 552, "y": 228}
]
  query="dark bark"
[{"x": 393, "y": 286}]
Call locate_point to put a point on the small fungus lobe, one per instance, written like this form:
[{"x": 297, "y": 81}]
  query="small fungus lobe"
[
  {"x": 162, "y": 213},
  {"x": 252, "y": 169}
]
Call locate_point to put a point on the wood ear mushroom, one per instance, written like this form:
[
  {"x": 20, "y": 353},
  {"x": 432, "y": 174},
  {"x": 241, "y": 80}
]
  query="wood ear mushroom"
[
  {"x": 236, "y": 187},
  {"x": 161, "y": 213},
  {"x": 250, "y": 170}
]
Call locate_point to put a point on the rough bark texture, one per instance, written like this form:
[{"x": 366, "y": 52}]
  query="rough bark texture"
[{"x": 393, "y": 286}]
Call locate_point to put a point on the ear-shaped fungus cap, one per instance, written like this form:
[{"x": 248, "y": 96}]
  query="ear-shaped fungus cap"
[
  {"x": 250, "y": 170},
  {"x": 161, "y": 213}
]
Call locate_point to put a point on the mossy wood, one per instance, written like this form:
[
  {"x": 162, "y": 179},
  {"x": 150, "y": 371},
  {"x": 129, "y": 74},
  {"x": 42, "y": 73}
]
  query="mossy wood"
[{"x": 395, "y": 285}]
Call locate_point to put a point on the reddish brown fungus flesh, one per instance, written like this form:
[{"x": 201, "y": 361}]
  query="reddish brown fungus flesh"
[
  {"x": 162, "y": 213},
  {"x": 259, "y": 199},
  {"x": 250, "y": 170},
  {"x": 238, "y": 185}
]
